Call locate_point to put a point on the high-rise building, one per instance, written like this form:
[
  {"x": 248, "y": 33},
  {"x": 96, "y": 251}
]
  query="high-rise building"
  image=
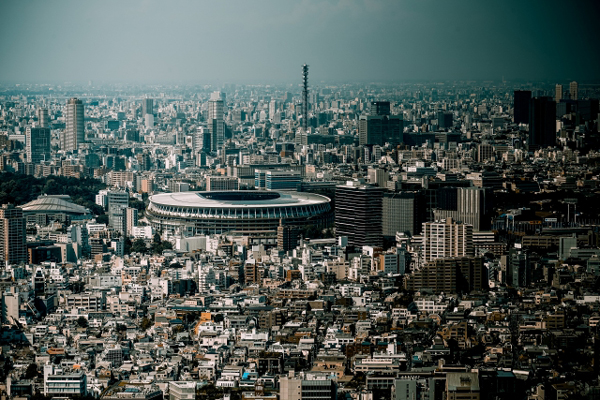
[
  {"x": 445, "y": 120},
  {"x": 521, "y": 106},
  {"x": 358, "y": 213},
  {"x": 43, "y": 118},
  {"x": 447, "y": 239},
  {"x": 473, "y": 207},
  {"x": 13, "y": 249},
  {"x": 130, "y": 218},
  {"x": 37, "y": 144},
  {"x": 216, "y": 124},
  {"x": 116, "y": 201},
  {"x": 558, "y": 93},
  {"x": 379, "y": 127},
  {"x": 542, "y": 123},
  {"x": 574, "y": 90},
  {"x": 402, "y": 212},
  {"x": 147, "y": 106},
  {"x": 74, "y": 130}
]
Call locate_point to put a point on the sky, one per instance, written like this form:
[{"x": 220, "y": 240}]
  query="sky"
[{"x": 267, "y": 41}]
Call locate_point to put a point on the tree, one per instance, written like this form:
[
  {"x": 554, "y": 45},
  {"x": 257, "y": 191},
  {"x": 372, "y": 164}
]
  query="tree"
[
  {"x": 145, "y": 324},
  {"x": 139, "y": 246},
  {"x": 31, "y": 371},
  {"x": 121, "y": 328},
  {"x": 82, "y": 322},
  {"x": 127, "y": 246}
]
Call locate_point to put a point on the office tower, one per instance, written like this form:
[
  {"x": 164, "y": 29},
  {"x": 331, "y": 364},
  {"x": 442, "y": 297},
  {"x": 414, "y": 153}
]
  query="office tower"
[
  {"x": 574, "y": 90},
  {"x": 201, "y": 140},
  {"x": 473, "y": 207},
  {"x": 43, "y": 118},
  {"x": 13, "y": 249},
  {"x": 272, "y": 108},
  {"x": 521, "y": 106},
  {"x": 116, "y": 202},
  {"x": 417, "y": 388},
  {"x": 379, "y": 127},
  {"x": 147, "y": 107},
  {"x": 542, "y": 123},
  {"x": 445, "y": 120},
  {"x": 558, "y": 93},
  {"x": 74, "y": 130},
  {"x": 358, "y": 213},
  {"x": 447, "y": 239},
  {"x": 402, "y": 212},
  {"x": 216, "y": 125},
  {"x": 37, "y": 144},
  {"x": 380, "y": 108}
]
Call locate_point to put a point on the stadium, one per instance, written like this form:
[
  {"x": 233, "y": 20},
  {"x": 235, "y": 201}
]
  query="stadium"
[{"x": 236, "y": 212}]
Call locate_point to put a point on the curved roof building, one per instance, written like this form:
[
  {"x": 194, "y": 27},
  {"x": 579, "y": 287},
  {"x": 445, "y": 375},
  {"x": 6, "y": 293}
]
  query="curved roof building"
[
  {"x": 60, "y": 204},
  {"x": 238, "y": 212}
]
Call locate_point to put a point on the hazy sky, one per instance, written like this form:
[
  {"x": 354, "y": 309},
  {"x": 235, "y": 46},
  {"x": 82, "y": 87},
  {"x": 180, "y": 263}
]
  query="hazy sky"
[{"x": 262, "y": 41}]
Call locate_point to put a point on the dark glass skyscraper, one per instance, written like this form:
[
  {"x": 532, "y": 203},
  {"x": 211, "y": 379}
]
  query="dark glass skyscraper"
[
  {"x": 379, "y": 126},
  {"x": 542, "y": 123},
  {"x": 521, "y": 106},
  {"x": 358, "y": 209}
]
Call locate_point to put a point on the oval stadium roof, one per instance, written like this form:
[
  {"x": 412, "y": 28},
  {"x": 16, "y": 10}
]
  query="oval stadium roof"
[{"x": 54, "y": 204}]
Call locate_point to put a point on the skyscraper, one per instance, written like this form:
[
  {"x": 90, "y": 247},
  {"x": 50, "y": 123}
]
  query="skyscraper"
[
  {"x": 358, "y": 213},
  {"x": 37, "y": 144},
  {"x": 147, "y": 107},
  {"x": 13, "y": 249},
  {"x": 74, "y": 131},
  {"x": 216, "y": 125},
  {"x": 42, "y": 116},
  {"x": 574, "y": 90},
  {"x": 521, "y": 106},
  {"x": 542, "y": 123},
  {"x": 558, "y": 93},
  {"x": 117, "y": 201},
  {"x": 402, "y": 212},
  {"x": 379, "y": 126}
]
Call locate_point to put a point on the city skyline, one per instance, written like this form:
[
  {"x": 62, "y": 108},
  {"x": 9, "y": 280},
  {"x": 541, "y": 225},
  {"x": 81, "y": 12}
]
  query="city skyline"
[{"x": 264, "y": 42}]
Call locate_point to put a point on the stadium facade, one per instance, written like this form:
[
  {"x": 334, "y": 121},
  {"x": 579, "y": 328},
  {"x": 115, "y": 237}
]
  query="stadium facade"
[{"x": 247, "y": 213}]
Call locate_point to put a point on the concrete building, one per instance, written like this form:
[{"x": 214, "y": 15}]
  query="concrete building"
[
  {"x": 182, "y": 390},
  {"x": 307, "y": 385},
  {"x": 221, "y": 183},
  {"x": 13, "y": 249},
  {"x": 37, "y": 144},
  {"x": 74, "y": 134},
  {"x": 447, "y": 239}
]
